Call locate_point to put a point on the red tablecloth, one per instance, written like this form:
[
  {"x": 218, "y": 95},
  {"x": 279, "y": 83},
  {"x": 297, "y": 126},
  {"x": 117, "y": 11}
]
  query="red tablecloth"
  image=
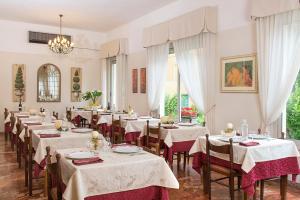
[
  {"x": 148, "y": 193},
  {"x": 7, "y": 128},
  {"x": 177, "y": 147},
  {"x": 262, "y": 170}
]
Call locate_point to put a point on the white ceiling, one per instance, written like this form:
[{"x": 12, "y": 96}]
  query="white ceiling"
[{"x": 95, "y": 15}]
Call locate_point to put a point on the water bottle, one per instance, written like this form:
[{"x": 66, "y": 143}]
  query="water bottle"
[{"x": 244, "y": 128}]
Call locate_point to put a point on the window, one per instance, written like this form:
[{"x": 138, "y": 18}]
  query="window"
[
  {"x": 176, "y": 101},
  {"x": 111, "y": 81},
  {"x": 293, "y": 112}
]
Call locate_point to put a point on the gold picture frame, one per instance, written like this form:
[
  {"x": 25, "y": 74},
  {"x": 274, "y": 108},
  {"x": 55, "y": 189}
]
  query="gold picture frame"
[
  {"x": 239, "y": 74},
  {"x": 18, "y": 82},
  {"x": 76, "y": 84}
]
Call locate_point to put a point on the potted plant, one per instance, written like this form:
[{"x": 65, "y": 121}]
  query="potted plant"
[{"x": 92, "y": 96}]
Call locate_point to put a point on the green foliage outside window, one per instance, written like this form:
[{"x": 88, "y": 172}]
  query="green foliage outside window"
[
  {"x": 171, "y": 106},
  {"x": 293, "y": 112}
]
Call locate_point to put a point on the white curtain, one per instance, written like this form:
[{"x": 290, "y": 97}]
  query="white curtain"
[
  {"x": 195, "y": 58},
  {"x": 157, "y": 74},
  {"x": 278, "y": 55},
  {"x": 121, "y": 82},
  {"x": 104, "y": 82}
]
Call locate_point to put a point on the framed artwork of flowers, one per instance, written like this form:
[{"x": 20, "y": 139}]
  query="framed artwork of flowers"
[{"x": 239, "y": 74}]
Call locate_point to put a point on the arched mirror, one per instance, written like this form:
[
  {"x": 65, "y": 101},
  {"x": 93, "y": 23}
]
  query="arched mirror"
[{"x": 49, "y": 83}]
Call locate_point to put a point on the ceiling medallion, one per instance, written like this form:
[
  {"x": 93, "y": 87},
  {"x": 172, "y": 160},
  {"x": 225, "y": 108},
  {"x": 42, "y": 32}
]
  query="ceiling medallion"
[{"x": 60, "y": 44}]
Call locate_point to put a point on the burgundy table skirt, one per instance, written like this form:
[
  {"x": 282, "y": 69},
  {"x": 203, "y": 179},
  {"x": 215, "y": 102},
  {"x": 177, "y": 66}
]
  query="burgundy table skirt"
[
  {"x": 261, "y": 171},
  {"x": 148, "y": 193},
  {"x": 7, "y": 128},
  {"x": 177, "y": 147}
]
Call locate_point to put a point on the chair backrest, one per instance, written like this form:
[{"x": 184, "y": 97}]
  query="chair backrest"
[
  {"x": 95, "y": 118},
  {"x": 5, "y": 113},
  {"x": 55, "y": 114},
  {"x": 68, "y": 114},
  {"x": 116, "y": 122},
  {"x": 53, "y": 173},
  {"x": 153, "y": 137},
  {"x": 12, "y": 120},
  {"x": 226, "y": 149}
]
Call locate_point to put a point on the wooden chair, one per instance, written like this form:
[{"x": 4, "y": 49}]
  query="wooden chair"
[
  {"x": 7, "y": 125},
  {"x": 116, "y": 130},
  {"x": 11, "y": 134},
  {"x": 228, "y": 173},
  {"x": 28, "y": 159},
  {"x": 153, "y": 137},
  {"x": 69, "y": 114},
  {"x": 53, "y": 177},
  {"x": 19, "y": 143},
  {"x": 95, "y": 118}
]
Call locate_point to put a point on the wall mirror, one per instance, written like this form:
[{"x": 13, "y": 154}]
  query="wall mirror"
[{"x": 48, "y": 83}]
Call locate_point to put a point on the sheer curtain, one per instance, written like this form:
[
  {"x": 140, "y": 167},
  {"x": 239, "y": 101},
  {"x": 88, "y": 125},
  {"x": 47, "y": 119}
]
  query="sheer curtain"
[
  {"x": 278, "y": 55},
  {"x": 121, "y": 82},
  {"x": 157, "y": 73},
  {"x": 195, "y": 57},
  {"x": 104, "y": 82}
]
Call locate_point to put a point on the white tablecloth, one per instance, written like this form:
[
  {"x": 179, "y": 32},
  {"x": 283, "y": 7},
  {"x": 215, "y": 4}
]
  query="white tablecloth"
[
  {"x": 7, "y": 119},
  {"x": 67, "y": 140},
  {"x": 107, "y": 118},
  {"x": 138, "y": 125},
  {"x": 36, "y": 127},
  {"x": 31, "y": 119},
  {"x": 267, "y": 150},
  {"x": 183, "y": 133},
  {"x": 117, "y": 173}
]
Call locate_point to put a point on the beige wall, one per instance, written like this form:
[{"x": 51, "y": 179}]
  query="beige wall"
[
  {"x": 90, "y": 76},
  {"x": 233, "y": 107}
]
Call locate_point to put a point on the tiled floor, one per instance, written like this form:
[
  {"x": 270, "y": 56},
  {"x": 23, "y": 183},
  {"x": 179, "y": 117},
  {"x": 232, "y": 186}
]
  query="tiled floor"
[{"x": 12, "y": 183}]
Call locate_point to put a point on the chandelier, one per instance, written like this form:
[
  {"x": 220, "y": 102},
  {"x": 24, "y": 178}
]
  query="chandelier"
[{"x": 60, "y": 44}]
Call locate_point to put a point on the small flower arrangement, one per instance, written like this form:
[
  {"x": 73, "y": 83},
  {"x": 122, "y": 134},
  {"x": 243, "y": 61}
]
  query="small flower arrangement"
[
  {"x": 95, "y": 140},
  {"x": 188, "y": 112},
  {"x": 58, "y": 125},
  {"x": 92, "y": 96}
]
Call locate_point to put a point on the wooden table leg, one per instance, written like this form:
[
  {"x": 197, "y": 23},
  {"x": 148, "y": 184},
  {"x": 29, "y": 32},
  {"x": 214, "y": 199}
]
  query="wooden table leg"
[{"x": 283, "y": 187}]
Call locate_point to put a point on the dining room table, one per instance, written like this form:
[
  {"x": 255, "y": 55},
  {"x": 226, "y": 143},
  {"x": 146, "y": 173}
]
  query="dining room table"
[
  {"x": 140, "y": 175},
  {"x": 257, "y": 158},
  {"x": 180, "y": 138}
]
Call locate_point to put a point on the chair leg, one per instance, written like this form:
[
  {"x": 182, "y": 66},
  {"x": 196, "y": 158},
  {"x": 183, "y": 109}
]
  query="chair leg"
[
  {"x": 239, "y": 182},
  {"x": 209, "y": 183},
  {"x": 231, "y": 187},
  {"x": 262, "y": 185},
  {"x": 12, "y": 142},
  {"x": 26, "y": 172},
  {"x": 184, "y": 160}
]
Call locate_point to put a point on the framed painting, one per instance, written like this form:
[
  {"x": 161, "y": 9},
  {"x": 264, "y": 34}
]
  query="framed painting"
[
  {"x": 134, "y": 80},
  {"x": 76, "y": 84},
  {"x": 18, "y": 83},
  {"x": 239, "y": 74},
  {"x": 143, "y": 80}
]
